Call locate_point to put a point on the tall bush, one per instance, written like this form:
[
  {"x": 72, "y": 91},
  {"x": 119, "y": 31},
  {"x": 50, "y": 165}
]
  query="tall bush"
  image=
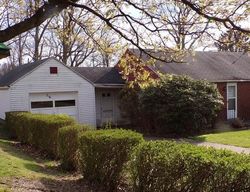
[
  {"x": 39, "y": 130},
  {"x": 104, "y": 154},
  {"x": 129, "y": 102},
  {"x": 176, "y": 104},
  {"x": 161, "y": 166},
  {"x": 68, "y": 145},
  {"x": 13, "y": 121}
]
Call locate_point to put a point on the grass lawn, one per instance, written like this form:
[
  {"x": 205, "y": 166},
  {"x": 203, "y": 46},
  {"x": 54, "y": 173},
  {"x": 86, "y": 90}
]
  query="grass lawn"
[
  {"x": 236, "y": 138},
  {"x": 21, "y": 171},
  {"x": 16, "y": 164}
]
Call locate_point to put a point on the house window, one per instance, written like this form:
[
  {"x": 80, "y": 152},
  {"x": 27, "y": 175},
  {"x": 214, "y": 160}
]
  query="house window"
[
  {"x": 106, "y": 94},
  {"x": 231, "y": 101},
  {"x": 41, "y": 104},
  {"x": 65, "y": 103},
  {"x": 53, "y": 70}
]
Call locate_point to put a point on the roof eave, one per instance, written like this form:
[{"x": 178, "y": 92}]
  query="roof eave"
[{"x": 230, "y": 81}]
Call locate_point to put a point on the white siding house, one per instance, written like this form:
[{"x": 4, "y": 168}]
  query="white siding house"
[
  {"x": 4, "y": 102},
  {"x": 90, "y": 95},
  {"x": 52, "y": 88}
]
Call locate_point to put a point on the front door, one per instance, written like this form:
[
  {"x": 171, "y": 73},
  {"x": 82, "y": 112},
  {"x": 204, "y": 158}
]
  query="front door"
[
  {"x": 231, "y": 100},
  {"x": 107, "y": 105}
]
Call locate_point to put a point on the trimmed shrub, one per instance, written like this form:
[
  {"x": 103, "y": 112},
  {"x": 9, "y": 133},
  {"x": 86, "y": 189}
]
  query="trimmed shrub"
[
  {"x": 12, "y": 121},
  {"x": 68, "y": 145},
  {"x": 39, "y": 130},
  {"x": 180, "y": 105},
  {"x": 161, "y": 166},
  {"x": 104, "y": 154}
]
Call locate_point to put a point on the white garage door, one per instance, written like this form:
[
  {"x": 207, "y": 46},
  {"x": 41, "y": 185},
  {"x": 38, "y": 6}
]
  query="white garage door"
[{"x": 54, "y": 103}]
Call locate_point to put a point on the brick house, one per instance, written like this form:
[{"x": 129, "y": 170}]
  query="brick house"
[{"x": 230, "y": 71}]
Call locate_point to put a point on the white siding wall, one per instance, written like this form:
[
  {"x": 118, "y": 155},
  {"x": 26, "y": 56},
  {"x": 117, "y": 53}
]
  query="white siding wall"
[
  {"x": 40, "y": 81},
  {"x": 4, "y": 103}
]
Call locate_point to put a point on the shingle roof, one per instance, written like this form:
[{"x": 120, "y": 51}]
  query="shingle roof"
[
  {"x": 18, "y": 72},
  {"x": 100, "y": 75},
  {"x": 97, "y": 75},
  {"x": 212, "y": 66}
]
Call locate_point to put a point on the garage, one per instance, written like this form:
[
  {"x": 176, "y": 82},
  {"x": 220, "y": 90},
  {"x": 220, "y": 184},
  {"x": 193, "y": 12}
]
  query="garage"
[{"x": 54, "y": 103}]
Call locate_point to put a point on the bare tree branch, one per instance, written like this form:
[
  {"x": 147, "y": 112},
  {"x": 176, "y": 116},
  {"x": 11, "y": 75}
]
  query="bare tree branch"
[
  {"x": 42, "y": 14},
  {"x": 227, "y": 21}
]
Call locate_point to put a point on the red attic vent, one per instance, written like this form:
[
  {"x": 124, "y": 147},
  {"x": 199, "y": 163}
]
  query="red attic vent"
[{"x": 53, "y": 70}]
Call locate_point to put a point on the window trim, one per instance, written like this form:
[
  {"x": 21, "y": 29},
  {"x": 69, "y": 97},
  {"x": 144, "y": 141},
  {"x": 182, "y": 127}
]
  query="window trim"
[{"x": 235, "y": 97}]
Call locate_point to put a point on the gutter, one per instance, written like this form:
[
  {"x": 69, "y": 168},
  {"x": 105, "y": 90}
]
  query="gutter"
[
  {"x": 229, "y": 81},
  {"x": 4, "y": 88},
  {"x": 109, "y": 85}
]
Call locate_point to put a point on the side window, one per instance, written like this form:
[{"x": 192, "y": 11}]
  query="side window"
[{"x": 107, "y": 94}]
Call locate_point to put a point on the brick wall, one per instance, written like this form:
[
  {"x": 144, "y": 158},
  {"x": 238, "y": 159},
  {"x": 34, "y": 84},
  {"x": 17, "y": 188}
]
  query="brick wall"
[
  {"x": 222, "y": 87},
  {"x": 244, "y": 100}
]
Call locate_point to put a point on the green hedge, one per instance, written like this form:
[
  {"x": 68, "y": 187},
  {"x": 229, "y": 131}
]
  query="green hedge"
[
  {"x": 174, "y": 105},
  {"x": 161, "y": 166},
  {"x": 12, "y": 121},
  {"x": 68, "y": 145},
  {"x": 180, "y": 105},
  {"x": 39, "y": 130},
  {"x": 104, "y": 154}
]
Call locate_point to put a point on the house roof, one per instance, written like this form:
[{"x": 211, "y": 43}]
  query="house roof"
[
  {"x": 18, "y": 72},
  {"x": 212, "y": 66},
  {"x": 96, "y": 75},
  {"x": 100, "y": 75}
]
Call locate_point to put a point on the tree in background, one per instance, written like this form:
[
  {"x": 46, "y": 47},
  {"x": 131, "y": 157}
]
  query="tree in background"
[
  {"x": 132, "y": 20},
  {"x": 69, "y": 43},
  {"x": 233, "y": 41},
  {"x": 185, "y": 26},
  {"x": 136, "y": 23},
  {"x": 67, "y": 37},
  {"x": 6, "y": 67}
]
